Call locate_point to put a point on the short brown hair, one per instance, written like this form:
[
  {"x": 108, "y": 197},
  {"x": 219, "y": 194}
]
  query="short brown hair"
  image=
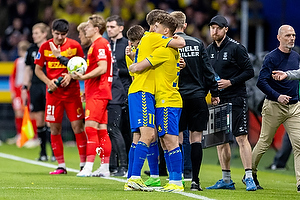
[
  {"x": 98, "y": 21},
  {"x": 151, "y": 16},
  {"x": 181, "y": 18},
  {"x": 135, "y": 33},
  {"x": 167, "y": 21},
  {"x": 116, "y": 18}
]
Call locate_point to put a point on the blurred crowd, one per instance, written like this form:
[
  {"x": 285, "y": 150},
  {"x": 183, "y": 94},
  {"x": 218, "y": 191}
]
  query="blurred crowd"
[{"x": 18, "y": 16}]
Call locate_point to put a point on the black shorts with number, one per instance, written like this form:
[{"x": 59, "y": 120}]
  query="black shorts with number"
[
  {"x": 239, "y": 115},
  {"x": 194, "y": 115},
  {"x": 37, "y": 97}
]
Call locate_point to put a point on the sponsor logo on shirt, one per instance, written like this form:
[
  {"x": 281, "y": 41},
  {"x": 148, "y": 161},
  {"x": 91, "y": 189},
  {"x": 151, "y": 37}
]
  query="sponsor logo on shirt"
[
  {"x": 101, "y": 54},
  {"x": 55, "y": 65}
]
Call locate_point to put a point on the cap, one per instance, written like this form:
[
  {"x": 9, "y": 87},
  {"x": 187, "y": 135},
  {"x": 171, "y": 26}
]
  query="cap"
[{"x": 219, "y": 20}]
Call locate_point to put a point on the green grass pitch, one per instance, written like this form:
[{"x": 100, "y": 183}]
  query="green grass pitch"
[{"x": 22, "y": 180}]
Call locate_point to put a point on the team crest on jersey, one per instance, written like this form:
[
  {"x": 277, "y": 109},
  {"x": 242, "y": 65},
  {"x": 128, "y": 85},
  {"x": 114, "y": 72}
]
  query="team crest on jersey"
[
  {"x": 212, "y": 56},
  {"x": 90, "y": 50},
  {"x": 225, "y": 55},
  {"x": 79, "y": 112},
  {"x": 159, "y": 129},
  {"x": 87, "y": 113},
  {"x": 38, "y": 55},
  {"x": 70, "y": 52}
]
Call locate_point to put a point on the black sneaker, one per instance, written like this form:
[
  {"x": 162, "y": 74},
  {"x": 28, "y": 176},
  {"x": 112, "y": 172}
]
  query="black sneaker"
[
  {"x": 147, "y": 172},
  {"x": 255, "y": 181},
  {"x": 113, "y": 172},
  {"x": 195, "y": 186},
  {"x": 121, "y": 172}
]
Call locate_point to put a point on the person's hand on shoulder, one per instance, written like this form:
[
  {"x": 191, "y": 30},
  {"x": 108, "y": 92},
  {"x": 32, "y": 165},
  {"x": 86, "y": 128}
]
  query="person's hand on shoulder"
[{"x": 279, "y": 75}]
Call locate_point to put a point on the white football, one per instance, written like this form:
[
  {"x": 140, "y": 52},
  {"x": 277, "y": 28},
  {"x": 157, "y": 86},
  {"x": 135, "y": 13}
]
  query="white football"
[{"x": 77, "y": 64}]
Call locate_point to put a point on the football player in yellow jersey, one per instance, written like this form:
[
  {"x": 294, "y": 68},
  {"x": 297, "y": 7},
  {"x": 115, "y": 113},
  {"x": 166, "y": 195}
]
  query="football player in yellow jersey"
[
  {"x": 134, "y": 35},
  {"x": 165, "y": 63},
  {"x": 141, "y": 107}
]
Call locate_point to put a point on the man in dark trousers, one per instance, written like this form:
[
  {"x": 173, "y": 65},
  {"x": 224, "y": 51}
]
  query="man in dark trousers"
[{"x": 120, "y": 144}]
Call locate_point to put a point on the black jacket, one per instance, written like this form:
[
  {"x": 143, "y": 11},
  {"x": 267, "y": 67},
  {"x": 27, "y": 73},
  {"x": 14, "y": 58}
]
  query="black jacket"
[
  {"x": 118, "y": 52},
  {"x": 197, "y": 78},
  {"x": 231, "y": 61},
  {"x": 31, "y": 54}
]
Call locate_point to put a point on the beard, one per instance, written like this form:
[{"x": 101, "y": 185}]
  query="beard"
[
  {"x": 290, "y": 46},
  {"x": 217, "y": 38}
]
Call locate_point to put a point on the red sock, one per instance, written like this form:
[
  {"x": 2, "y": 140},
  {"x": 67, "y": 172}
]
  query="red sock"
[
  {"x": 105, "y": 144},
  {"x": 18, "y": 122},
  {"x": 81, "y": 145},
  {"x": 58, "y": 148},
  {"x": 92, "y": 143}
]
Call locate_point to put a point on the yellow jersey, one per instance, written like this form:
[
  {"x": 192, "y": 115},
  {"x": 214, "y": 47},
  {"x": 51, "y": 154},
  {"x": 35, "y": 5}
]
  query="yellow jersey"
[
  {"x": 129, "y": 61},
  {"x": 144, "y": 81},
  {"x": 165, "y": 61}
]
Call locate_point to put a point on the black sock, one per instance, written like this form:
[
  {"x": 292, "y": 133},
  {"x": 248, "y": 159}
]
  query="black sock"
[
  {"x": 49, "y": 138},
  {"x": 182, "y": 152},
  {"x": 196, "y": 158},
  {"x": 42, "y": 134}
]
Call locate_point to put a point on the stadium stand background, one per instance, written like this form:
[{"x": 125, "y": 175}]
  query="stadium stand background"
[{"x": 18, "y": 16}]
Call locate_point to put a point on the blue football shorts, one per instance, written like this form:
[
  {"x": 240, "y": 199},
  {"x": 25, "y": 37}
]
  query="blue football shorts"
[
  {"x": 141, "y": 110},
  {"x": 167, "y": 120}
]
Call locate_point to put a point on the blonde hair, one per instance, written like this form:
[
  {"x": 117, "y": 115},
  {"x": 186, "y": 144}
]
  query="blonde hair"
[
  {"x": 44, "y": 29},
  {"x": 81, "y": 27}
]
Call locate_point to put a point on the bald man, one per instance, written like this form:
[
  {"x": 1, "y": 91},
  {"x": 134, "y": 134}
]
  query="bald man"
[{"x": 281, "y": 105}]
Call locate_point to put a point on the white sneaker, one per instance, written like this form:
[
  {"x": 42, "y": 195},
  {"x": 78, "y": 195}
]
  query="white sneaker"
[
  {"x": 84, "y": 173},
  {"x": 32, "y": 143},
  {"x": 13, "y": 140},
  {"x": 101, "y": 173}
]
